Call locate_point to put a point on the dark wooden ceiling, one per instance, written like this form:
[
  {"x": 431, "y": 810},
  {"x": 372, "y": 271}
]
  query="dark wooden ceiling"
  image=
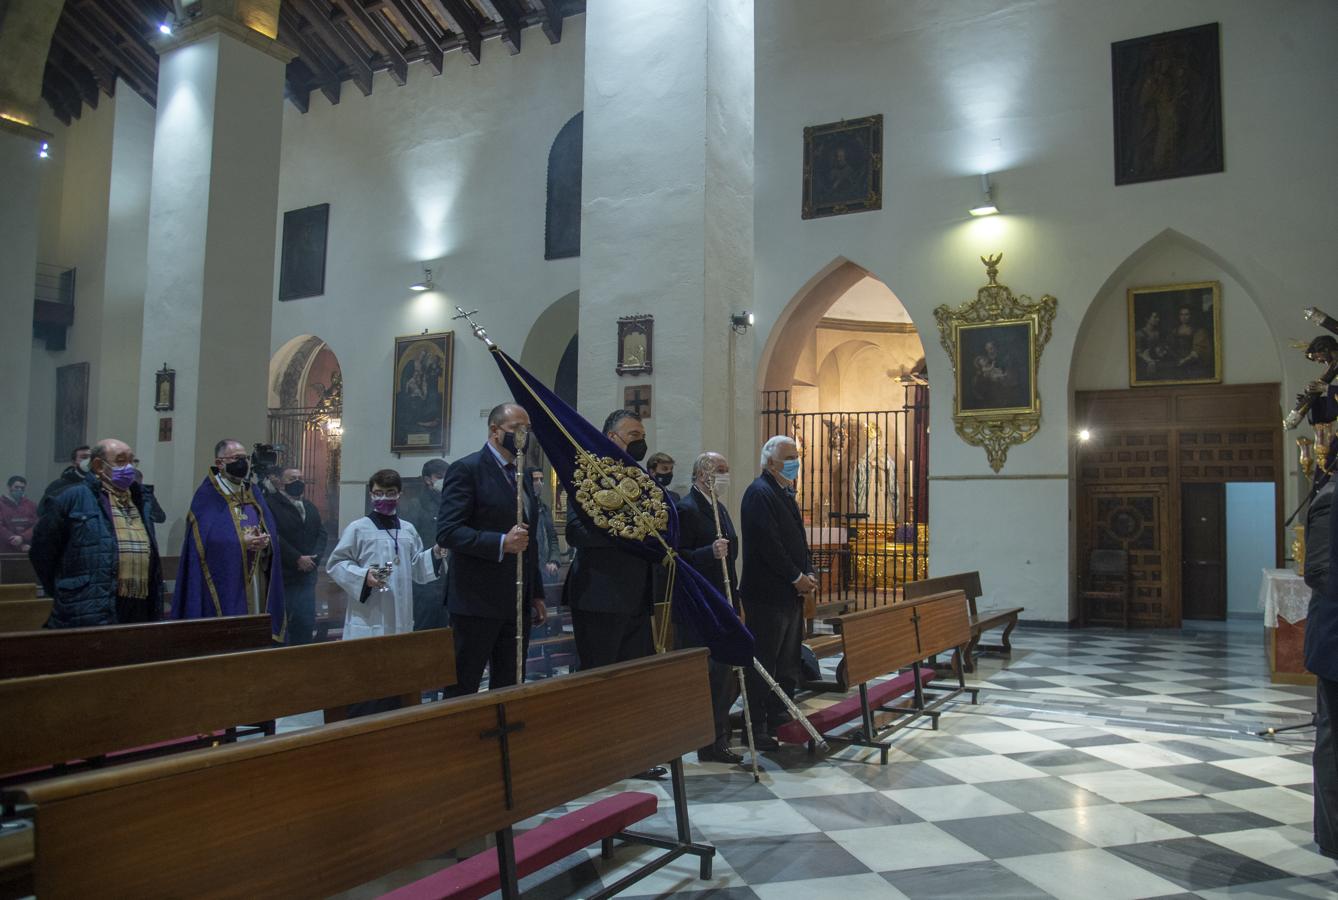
[{"x": 337, "y": 41}]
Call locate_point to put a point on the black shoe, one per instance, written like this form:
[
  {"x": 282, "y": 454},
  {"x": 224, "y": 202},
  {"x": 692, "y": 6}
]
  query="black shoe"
[
  {"x": 719, "y": 753},
  {"x": 766, "y": 742},
  {"x": 654, "y": 773}
]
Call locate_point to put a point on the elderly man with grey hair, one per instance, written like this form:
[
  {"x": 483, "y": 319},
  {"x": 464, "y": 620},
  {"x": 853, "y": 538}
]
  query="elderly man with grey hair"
[{"x": 777, "y": 574}]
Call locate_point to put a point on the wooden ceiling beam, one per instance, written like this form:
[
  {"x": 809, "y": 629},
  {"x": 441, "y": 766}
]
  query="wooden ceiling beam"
[
  {"x": 298, "y": 94},
  {"x": 551, "y": 21},
  {"x": 87, "y": 56},
  {"x": 503, "y": 12},
  {"x": 418, "y": 23},
  {"x": 334, "y": 37},
  {"x": 126, "y": 68},
  {"x": 75, "y": 73},
  {"x": 309, "y": 54},
  {"x": 459, "y": 17},
  {"x": 127, "y": 36},
  {"x": 389, "y": 47},
  {"x": 60, "y": 86},
  {"x": 59, "y": 105}
]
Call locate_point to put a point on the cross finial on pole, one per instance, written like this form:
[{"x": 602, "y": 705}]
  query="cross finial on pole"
[{"x": 478, "y": 329}]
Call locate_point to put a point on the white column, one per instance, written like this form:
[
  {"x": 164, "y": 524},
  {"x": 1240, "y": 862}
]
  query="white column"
[
  {"x": 667, "y": 215},
  {"x": 18, "y": 271},
  {"x": 211, "y": 239}
]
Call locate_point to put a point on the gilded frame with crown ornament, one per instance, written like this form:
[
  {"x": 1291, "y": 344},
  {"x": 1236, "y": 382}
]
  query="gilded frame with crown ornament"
[{"x": 994, "y": 344}]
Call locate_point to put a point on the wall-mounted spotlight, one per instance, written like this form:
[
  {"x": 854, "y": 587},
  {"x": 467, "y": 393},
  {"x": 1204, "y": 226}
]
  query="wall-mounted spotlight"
[
  {"x": 1084, "y": 436},
  {"x": 164, "y": 27},
  {"x": 741, "y": 322},
  {"x": 986, "y": 205},
  {"x": 425, "y": 284},
  {"x": 44, "y": 151}
]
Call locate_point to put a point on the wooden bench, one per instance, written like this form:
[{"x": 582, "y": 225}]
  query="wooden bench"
[
  {"x": 53, "y": 650},
  {"x": 51, "y": 720},
  {"x": 969, "y": 584},
  {"x": 18, "y": 592},
  {"x": 885, "y": 640},
  {"x": 24, "y": 615},
  {"x": 328, "y": 809},
  {"x": 16, "y": 568}
]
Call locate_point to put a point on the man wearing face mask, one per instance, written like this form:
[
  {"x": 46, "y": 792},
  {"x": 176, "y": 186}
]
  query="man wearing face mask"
[
  {"x": 302, "y": 538},
  {"x": 74, "y": 474},
  {"x": 661, "y": 469},
  {"x": 610, "y": 591},
  {"x": 545, "y": 533},
  {"x": 477, "y": 524},
  {"x": 429, "y": 601},
  {"x": 18, "y": 515},
  {"x": 777, "y": 574},
  {"x": 227, "y": 561},
  {"x": 94, "y": 549}
]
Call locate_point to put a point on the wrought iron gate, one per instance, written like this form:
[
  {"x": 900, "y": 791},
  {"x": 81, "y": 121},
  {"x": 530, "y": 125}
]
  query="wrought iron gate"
[
  {"x": 862, "y": 490},
  {"x": 301, "y": 441}
]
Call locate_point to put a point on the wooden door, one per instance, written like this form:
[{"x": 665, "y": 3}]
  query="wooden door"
[
  {"x": 1203, "y": 551},
  {"x": 1133, "y": 518}
]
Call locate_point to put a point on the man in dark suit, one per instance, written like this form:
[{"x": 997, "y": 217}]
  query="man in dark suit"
[
  {"x": 777, "y": 574},
  {"x": 429, "y": 600},
  {"x": 477, "y": 523},
  {"x": 608, "y": 589},
  {"x": 698, "y": 544},
  {"x": 302, "y": 541}
]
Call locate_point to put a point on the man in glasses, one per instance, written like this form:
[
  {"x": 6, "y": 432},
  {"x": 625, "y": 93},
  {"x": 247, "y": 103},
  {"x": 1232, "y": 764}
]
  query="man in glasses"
[
  {"x": 477, "y": 524},
  {"x": 227, "y": 560}
]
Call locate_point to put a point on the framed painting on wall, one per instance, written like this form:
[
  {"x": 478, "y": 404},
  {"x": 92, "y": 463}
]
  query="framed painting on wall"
[
  {"x": 1175, "y": 334},
  {"x": 635, "y": 344},
  {"x": 995, "y": 373},
  {"x": 302, "y": 259},
  {"x": 843, "y": 167},
  {"x": 71, "y": 409},
  {"x": 1167, "y": 97},
  {"x": 421, "y": 394}
]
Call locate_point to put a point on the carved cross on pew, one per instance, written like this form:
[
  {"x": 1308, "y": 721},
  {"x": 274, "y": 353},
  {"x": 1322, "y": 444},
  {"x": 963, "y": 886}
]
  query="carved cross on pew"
[
  {"x": 502, "y": 733},
  {"x": 634, "y": 401}
]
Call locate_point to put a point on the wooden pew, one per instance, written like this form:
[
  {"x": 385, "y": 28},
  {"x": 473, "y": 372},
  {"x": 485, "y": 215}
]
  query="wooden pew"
[
  {"x": 50, "y": 720},
  {"x": 325, "y": 810},
  {"x": 49, "y": 651},
  {"x": 15, "y": 568},
  {"x": 969, "y": 584},
  {"x": 24, "y": 615},
  {"x": 18, "y": 592},
  {"x": 885, "y": 640}
]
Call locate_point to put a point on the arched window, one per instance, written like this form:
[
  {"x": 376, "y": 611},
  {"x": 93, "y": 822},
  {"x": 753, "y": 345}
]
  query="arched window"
[{"x": 562, "y": 225}]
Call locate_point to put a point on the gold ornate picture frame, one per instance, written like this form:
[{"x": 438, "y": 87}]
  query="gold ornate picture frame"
[{"x": 994, "y": 343}]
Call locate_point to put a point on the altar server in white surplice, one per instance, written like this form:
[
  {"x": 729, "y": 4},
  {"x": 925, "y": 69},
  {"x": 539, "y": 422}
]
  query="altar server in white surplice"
[{"x": 358, "y": 564}]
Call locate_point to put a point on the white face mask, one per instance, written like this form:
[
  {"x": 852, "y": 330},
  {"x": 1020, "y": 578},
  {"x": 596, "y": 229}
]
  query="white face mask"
[
  {"x": 85, "y": 463},
  {"x": 722, "y": 482},
  {"x": 437, "y": 483}
]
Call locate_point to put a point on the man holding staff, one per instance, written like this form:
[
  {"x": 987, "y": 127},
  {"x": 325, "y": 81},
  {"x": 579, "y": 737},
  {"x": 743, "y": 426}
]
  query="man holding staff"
[{"x": 478, "y": 525}]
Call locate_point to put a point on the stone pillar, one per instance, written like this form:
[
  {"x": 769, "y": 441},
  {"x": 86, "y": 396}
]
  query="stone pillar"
[
  {"x": 211, "y": 245},
  {"x": 667, "y": 217},
  {"x": 19, "y": 179}
]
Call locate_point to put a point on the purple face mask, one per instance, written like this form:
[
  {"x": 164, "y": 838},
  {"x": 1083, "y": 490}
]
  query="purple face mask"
[
  {"x": 385, "y": 507},
  {"x": 122, "y": 477}
]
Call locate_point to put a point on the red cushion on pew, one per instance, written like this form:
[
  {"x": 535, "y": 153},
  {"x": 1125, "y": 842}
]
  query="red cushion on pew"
[
  {"x": 536, "y": 848},
  {"x": 824, "y": 720}
]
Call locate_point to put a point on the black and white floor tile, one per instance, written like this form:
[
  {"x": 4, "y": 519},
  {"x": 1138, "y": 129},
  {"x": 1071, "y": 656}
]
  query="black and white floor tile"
[{"x": 1098, "y": 764}]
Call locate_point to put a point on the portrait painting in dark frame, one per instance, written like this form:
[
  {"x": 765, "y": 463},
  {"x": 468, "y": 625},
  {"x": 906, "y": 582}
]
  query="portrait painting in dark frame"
[
  {"x": 635, "y": 344},
  {"x": 1175, "y": 334},
  {"x": 165, "y": 389},
  {"x": 302, "y": 259},
  {"x": 843, "y": 167},
  {"x": 1167, "y": 97},
  {"x": 71, "y": 409},
  {"x": 420, "y": 414},
  {"x": 995, "y": 369}
]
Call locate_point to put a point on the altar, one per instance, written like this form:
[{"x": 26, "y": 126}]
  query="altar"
[{"x": 1285, "y": 599}]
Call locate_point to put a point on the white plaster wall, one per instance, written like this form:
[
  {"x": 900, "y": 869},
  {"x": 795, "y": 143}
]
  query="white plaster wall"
[
  {"x": 19, "y": 216},
  {"x": 1249, "y": 544},
  {"x": 1022, "y": 90},
  {"x": 447, "y": 171}
]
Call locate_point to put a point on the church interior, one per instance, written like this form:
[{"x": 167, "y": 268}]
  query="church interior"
[{"x": 1034, "y": 290}]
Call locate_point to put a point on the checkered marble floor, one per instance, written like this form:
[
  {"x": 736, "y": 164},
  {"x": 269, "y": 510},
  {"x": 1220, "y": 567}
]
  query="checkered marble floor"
[{"x": 1099, "y": 764}]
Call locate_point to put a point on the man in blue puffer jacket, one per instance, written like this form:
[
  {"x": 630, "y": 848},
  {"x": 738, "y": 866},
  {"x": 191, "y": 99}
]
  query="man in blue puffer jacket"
[{"x": 94, "y": 548}]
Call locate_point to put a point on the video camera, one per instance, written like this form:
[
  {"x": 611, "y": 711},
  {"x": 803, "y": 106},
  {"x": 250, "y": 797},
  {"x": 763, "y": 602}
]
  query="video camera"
[{"x": 264, "y": 460}]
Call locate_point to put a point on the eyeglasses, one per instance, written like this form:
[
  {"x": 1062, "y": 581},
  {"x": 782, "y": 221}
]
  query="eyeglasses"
[
  {"x": 385, "y": 495},
  {"x": 233, "y": 458}
]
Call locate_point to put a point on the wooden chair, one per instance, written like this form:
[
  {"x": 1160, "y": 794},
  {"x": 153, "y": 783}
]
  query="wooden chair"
[{"x": 1103, "y": 597}]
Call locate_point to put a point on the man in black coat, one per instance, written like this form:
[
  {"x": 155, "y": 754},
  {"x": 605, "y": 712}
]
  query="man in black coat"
[
  {"x": 777, "y": 574},
  {"x": 302, "y": 539},
  {"x": 608, "y": 589},
  {"x": 74, "y": 473},
  {"x": 421, "y": 509},
  {"x": 1321, "y": 658},
  {"x": 698, "y": 544},
  {"x": 477, "y": 523}
]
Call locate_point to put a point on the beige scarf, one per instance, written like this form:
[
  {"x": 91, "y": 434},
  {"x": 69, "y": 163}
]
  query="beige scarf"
[{"x": 132, "y": 546}]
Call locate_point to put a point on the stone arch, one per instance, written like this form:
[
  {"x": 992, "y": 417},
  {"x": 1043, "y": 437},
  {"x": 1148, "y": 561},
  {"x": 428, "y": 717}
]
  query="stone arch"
[
  {"x": 306, "y": 416},
  {"x": 562, "y": 218},
  {"x": 549, "y": 338}
]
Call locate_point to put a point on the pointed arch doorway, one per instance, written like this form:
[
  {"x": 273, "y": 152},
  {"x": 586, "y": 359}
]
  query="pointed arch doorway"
[
  {"x": 844, "y": 374},
  {"x": 306, "y": 409}
]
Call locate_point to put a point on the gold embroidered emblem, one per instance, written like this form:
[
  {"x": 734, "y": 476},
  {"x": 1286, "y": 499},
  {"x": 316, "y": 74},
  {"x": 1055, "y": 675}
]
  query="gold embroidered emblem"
[{"x": 619, "y": 498}]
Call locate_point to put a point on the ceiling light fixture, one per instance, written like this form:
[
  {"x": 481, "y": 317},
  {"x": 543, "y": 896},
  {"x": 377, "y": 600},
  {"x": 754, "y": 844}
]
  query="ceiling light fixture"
[
  {"x": 986, "y": 206},
  {"x": 741, "y": 322},
  {"x": 164, "y": 27},
  {"x": 425, "y": 284}
]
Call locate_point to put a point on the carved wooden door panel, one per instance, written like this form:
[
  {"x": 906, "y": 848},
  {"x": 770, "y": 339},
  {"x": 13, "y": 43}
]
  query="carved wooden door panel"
[{"x": 1133, "y": 518}]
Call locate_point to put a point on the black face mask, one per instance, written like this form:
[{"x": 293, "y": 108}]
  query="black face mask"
[
  {"x": 663, "y": 479},
  {"x": 238, "y": 468},
  {"x": 295, "y": 488},
  {"x": 509, "y": 442},
  {"x": 637, "y": 450}
]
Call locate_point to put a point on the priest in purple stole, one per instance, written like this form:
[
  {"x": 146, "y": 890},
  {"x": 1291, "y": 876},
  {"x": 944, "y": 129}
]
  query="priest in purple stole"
[{"x": 228, "y": 567}]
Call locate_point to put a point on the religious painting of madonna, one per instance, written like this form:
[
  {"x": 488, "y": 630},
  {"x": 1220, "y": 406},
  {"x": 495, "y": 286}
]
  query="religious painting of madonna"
[
  {"x": 995, "y": 372},
  {"x": 1168, "y": 105},
  {"x": 1175, "y": 334},
  {"x": 421, "y": 408},
  {"x": 843, "y": 167}
]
